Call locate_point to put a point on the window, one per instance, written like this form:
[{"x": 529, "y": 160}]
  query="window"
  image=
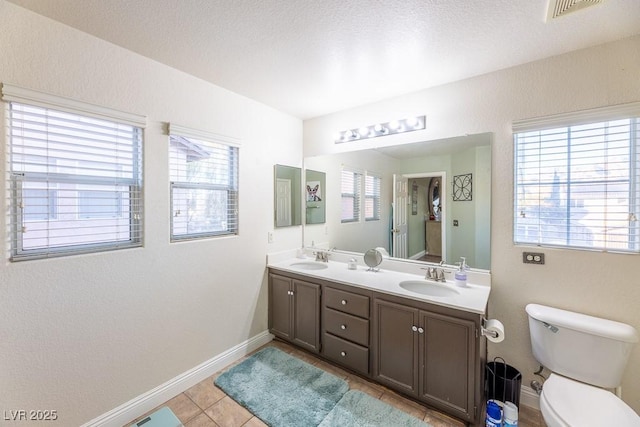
[
  {"x": 204, "y": 185},
  {"x": 372, "y": 197},
  {"x": 351, "y": 193},
  {"x": 577, "y": 180},
  {"x": 75, "y": 179}
]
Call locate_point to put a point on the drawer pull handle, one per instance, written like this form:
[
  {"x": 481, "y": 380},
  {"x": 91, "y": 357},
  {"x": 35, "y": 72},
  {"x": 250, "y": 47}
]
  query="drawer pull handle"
[
  {"x": 421, "y": 330},
  {"x": 343, "y": 353},
  {"x": 344, "y": 302},
  {"x": 414, "y": 328},
  {"x": 343, "y": 327}
]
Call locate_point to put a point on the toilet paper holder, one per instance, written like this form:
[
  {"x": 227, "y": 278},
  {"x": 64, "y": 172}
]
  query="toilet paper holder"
[
  {"x": 490, "y": 332},
  {"x": 486, "y": 332}
]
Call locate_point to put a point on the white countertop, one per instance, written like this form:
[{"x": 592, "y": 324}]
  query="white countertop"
[{"x": 472, "y": 298}]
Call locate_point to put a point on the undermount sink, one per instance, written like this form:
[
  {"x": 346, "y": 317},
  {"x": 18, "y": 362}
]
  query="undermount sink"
[
  {"x": 429, "y": 288},
  {"x": 309, "y": 265}
]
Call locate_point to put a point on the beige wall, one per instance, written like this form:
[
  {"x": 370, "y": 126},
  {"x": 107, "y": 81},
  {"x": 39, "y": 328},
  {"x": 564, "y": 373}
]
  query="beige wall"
[
  {"x": 84, "y": 334},
  {"x": 600, "y": 284}
]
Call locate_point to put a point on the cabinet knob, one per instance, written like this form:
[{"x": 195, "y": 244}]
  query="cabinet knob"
[
  {"x": 344, "y": 302},
  {"x": 343, "y": 326},
  {"x": 343, "y": 353},
  {"x": 414, "y": 328},
  {"x": 421, "y": 330}
]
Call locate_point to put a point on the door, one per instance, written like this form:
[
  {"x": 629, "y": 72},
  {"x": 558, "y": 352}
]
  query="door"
[
  {"x": 280, "y": 298},
  {"x": 400, "y": 205},
  {"x": 283, "y": 202},
  {"x": 395, "y": 343},
  {"x": 306, "y": 315},
  {"x": 447, "y": 355}
]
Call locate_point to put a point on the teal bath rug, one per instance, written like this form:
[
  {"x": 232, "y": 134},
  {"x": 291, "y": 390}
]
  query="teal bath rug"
[
  {"x": 282, "y": 390},
  {"x": 357, "y": 409}
]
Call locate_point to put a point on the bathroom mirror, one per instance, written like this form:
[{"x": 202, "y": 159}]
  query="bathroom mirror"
[
  {"x": 315, "y": 183},
  {"x": 287, "y": 196},
  {"x": 418, "y": 162}
]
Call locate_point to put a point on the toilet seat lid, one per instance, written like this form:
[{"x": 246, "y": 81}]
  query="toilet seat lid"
[{"x": 580, "y": 404}]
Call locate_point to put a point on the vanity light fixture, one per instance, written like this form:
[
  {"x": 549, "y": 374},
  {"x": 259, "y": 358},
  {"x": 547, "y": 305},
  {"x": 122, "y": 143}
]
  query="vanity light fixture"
[{"x": 381, "y": 129}]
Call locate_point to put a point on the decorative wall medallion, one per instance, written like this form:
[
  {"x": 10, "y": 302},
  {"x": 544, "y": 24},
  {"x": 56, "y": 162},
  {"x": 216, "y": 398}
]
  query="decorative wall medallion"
[{"x": 462, "y": 188}]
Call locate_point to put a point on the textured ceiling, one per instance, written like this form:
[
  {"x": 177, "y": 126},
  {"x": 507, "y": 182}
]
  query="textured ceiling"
[{"x": 310, "y": 58}]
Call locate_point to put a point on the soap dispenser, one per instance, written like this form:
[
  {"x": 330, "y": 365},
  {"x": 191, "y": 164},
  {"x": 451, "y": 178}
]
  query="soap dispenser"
[{"x": 461, "y": 273}]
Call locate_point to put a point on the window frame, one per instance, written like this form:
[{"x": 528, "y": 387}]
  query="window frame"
[
  {"x": 568, "y": 123},
  {"x": 232, "y": 188},
  {"x": 376, "y": 196},
  {"x": 16, "y": 180},
  {"x": 355, "y": 196}
]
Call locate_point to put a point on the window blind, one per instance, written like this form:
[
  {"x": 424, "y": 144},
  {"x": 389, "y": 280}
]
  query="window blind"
[
  {"x": 75, "y": 181},
  {"x": 351, "y": 188},
  {"x": 578, "y": 186},
  {"x": 204, "y": 186},
  {"x": 372, "y": 196}
]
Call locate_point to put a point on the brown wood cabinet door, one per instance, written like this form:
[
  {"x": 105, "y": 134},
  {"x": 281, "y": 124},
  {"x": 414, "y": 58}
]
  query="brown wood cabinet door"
[
  {"x": 447, "y": 355},
  {"x": 395, "y": 345},
  {"x": 280, "y": 301},
  {"x": 306, "y": 315}
]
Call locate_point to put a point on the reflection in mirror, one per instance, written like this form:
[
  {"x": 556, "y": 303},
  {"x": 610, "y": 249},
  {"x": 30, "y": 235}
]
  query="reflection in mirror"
[
  {"x": 315, "y": 184},
  {"x": 422, "y": 163},
  {"x": 287, "y": 194}
]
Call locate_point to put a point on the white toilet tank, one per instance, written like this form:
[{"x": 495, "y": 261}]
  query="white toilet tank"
[{"x": 578, "y": 346}]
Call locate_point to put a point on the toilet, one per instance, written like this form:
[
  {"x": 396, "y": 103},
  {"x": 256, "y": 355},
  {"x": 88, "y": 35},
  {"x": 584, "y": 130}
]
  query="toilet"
[{"x": 587, "y": 356}]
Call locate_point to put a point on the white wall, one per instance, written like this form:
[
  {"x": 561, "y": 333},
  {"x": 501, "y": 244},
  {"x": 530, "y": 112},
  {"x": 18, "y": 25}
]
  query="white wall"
[
  {"x": 600, "y": 284},
  {"x": 84, "y": 334}
]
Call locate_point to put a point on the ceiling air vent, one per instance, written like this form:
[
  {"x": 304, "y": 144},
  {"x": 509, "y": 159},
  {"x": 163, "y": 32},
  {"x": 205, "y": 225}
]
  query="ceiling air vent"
[{"x": 559, "y": 8}]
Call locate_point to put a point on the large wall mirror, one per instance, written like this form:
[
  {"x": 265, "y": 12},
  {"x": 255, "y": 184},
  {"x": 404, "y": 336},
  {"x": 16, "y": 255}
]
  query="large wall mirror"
[
  {"x": 418, "y": 181},
  {"x": 287, "y": 195}
]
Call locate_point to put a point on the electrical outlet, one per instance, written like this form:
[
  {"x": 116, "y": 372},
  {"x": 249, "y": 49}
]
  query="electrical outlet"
[
  {"x": 533, "y": 258},
  {"x": 270, "y": 237}
]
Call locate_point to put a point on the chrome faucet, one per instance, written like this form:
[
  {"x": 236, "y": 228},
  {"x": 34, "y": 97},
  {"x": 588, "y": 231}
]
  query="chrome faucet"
[
  {"x": 322, "y": 256},
  {"x": 435, "y": 274}
]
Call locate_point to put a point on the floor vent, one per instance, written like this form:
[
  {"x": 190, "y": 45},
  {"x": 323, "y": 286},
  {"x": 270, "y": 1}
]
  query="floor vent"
[{"x": 559, "y": 8}]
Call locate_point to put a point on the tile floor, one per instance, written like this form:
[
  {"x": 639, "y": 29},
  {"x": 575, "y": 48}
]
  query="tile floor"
[{"x": 205, "y": 405}]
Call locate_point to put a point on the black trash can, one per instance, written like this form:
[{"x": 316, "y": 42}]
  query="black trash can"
[{"x": 502, "y": 382}]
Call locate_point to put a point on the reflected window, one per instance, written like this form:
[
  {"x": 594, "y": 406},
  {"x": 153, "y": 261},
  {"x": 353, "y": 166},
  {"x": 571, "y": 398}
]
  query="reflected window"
[{"x": 351, "y": 188}]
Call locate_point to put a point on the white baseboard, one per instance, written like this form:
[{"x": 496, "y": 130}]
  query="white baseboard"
[
  {"x": 147, "y": 401},
  {"x": 529, "y": 397},
  {"x": 418, "y": 255}
]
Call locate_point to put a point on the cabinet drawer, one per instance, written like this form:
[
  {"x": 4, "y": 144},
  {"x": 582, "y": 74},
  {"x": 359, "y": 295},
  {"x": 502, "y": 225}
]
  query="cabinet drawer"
[
  {"x": 347, "y": 326},
  {"x": 346, "y": 353},
  {"x": 358, "y": 305}
]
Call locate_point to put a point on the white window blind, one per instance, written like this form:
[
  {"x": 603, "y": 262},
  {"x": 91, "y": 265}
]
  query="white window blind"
[
  {"x": 75, "y": 179},
  {"x": 578, "y": 185},
  {"x": 204, "y": 185},
  {"x": 351, "y": 188},
  {"x": 372, "y": 197}
]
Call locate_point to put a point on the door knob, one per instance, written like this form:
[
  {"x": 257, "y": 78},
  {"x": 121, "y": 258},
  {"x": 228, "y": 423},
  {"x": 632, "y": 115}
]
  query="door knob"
[
  {"x": 414, "y": 328},
  {"x": 343, "y": 326},
  {"x": 421, "y": 330}
]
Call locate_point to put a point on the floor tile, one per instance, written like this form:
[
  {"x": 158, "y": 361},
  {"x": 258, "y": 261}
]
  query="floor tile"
[
  {"x": 254, "y": 422},
  {"x": 406, "y": 405},
  {"x": 201, "y": 420},
  {"x": 183, "y": 407},
  {"x": 227, "y": 413},
  {"x": 205, "y": 393}
]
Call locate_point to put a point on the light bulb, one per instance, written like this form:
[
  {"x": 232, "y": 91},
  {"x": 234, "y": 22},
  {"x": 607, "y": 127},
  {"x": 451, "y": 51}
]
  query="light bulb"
[
  {"x": 413, "y": 122},
  {"x": 394, "y": 125},
  {"x": 364, "y": 132},
  {"x": 378, "y": 128}
]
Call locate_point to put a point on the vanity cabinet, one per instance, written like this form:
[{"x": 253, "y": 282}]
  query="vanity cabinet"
[
  {"x": 294, "y": 311},
  {"x": 429, "y": 355},
  {"x": 346, "y": 328}
]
